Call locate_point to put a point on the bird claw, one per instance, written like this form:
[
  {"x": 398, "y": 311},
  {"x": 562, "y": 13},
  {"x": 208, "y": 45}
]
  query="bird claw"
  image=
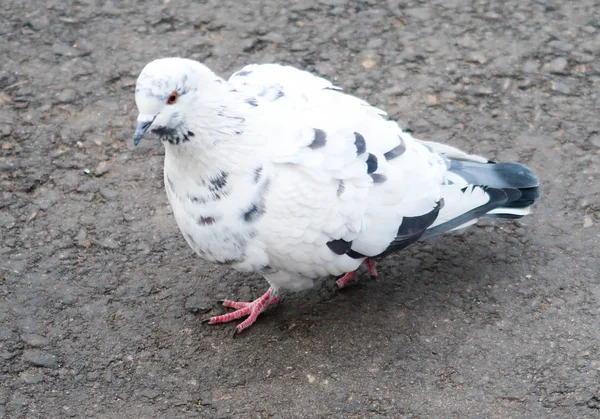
[{"x": 242, "y": 308}]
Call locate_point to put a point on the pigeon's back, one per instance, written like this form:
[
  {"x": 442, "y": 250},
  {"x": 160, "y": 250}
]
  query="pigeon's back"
[{"x": 344, "y": 177}]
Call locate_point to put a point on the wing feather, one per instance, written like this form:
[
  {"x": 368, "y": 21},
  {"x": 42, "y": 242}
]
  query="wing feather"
[{"x": 357, "y": 172}]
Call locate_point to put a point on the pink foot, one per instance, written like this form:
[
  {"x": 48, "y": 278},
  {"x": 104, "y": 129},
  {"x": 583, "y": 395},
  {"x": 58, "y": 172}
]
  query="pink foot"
[
  {"x": 348, "y": 277},
  {"x": 252, "y": 310}
]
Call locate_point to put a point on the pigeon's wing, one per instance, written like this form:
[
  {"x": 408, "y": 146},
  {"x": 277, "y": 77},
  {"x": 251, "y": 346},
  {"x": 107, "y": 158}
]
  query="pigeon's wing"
[{"x": 346, "y": 183}]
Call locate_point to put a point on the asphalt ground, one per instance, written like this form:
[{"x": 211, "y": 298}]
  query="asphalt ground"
[{"x": 101, "y": 300}]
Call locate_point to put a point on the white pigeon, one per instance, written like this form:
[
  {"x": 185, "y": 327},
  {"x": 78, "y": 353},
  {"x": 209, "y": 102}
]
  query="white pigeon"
[{"x": 279, "y": 172}]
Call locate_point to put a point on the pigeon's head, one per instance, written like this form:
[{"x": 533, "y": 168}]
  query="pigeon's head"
[{"x": 165, "y": 94}]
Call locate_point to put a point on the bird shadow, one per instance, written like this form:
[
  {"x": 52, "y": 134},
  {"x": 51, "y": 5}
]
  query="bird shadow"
[{"x": 450, "y": 274}]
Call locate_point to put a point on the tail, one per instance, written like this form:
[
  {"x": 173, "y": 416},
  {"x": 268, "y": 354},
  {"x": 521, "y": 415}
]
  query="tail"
[{"x": 480, "y": 188}]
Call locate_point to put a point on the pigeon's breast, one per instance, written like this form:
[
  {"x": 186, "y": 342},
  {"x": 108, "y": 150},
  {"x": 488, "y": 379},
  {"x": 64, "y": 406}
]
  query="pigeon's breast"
[{"x": 217, "y": 219}]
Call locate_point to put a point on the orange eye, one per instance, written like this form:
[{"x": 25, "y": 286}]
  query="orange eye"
[{"x": 173, "y": 98}]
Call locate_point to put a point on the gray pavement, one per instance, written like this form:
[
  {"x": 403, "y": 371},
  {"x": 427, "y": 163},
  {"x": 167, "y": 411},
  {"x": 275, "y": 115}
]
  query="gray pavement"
[{"x": 101, "y": 300}]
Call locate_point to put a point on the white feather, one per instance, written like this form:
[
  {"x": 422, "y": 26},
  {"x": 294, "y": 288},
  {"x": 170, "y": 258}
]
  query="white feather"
[
  {"x": 453, "y": 153},
  {"x": 511, "y": 211},
  {"x": 458, "y": 202}
]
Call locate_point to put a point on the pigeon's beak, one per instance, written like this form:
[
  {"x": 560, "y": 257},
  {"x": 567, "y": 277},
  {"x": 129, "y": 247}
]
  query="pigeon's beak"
[{"x": 144, "y": 122}]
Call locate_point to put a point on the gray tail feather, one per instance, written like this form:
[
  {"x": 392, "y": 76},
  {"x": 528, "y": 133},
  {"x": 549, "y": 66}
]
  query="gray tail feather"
[
  {"x": 511, "y": 188},
  {"x": 520, "y": 184}
]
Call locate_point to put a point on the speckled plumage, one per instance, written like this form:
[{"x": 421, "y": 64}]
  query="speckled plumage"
[{"x": 288, "y": 176}]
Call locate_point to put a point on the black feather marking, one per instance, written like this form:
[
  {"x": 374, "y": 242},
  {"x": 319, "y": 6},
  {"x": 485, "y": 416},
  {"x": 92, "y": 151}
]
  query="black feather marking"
[
  {"x": 407, "y": 130},
  {"x": 412, "y": 228},
  {"x": 203, "y": 221},
  {"x": 396, "y": 151},
  {"x": 341, "y": 188},
  {"x": 258, "y": 173},
  {"x": 194, "y": 199},
  {"x": 354, "y": 254},
  {"x": 252, "y": 101},
  {"x": 257, "y": 208},
  {"x": 360, "y": 143},
  {"x": 320, "y": 139},
  {"x": 339, "y": 247},
  {"x": 378, "y": 178},
  {"x": 255, "y": 211},
  {"x": 218, "y": 186},
  {"x": 190, "y": 134},
  {"x": 167, "y": 134},
  {"x": 218, "y": 182},
  {"x": 371, "y": 163},
  {"x": 243, "y": 73}
]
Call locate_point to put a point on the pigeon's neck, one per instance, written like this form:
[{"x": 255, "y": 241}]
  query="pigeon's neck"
[
  {"x": 221, "y": 137},
  {"x": 202, "y": 163}
]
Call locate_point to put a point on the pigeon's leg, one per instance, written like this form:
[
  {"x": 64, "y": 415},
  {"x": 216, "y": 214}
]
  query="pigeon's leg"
[
  {"x": 343, "y": 281},
  {"x": 348, "y": 277},
  {"x": 371, "y": 267},
  {"x": 251, "y": 309}
]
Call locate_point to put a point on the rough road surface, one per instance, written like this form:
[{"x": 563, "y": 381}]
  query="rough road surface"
[{"x": 101, "y": 300}]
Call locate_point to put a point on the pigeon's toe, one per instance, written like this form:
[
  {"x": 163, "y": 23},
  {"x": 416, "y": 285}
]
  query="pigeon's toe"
[{"x": 250, "y": 309}]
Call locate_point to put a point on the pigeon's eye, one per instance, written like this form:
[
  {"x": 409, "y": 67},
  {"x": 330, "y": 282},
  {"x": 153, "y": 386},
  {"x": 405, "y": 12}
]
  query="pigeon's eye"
[{"x": 173, "y": 98}]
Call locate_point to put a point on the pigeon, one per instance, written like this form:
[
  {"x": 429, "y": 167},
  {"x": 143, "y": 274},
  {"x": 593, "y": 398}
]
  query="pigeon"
[{"x": 279, "y": 172}]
